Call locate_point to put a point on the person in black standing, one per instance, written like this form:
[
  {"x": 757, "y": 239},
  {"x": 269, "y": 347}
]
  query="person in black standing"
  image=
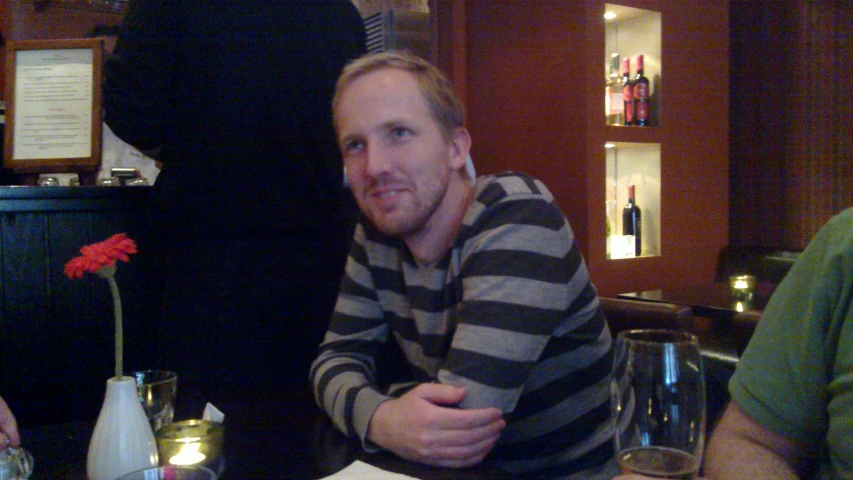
[{"x": 233, "y": 98}]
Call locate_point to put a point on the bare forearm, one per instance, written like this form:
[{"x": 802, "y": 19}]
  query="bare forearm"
[
  {"x": 740, "y": 459},
  {"x": 742, "y": 448}
]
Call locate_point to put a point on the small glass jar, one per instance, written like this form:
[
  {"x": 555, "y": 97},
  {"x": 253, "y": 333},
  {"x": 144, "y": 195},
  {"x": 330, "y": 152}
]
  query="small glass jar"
[
  {"x": 15, "y": 464},
  {"x": 191, "y": 442},
  {"x": 48, "y": 182},
  {"x": 108, "y": 182},
  {"x": 136, "y": 182},
  {"x": 742, "y": 287}
]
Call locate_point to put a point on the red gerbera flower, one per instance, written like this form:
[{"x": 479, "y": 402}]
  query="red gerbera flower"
[
  {"x": 100, "y": 255},
  {"x": 100, "y": 259}
]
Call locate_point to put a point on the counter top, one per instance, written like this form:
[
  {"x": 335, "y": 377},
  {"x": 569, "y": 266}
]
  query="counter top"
[{"x": 28, "y": 198}]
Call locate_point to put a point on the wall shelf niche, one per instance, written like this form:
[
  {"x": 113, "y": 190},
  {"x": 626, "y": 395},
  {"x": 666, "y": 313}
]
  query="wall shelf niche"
[{"x": 635, "y": 164}]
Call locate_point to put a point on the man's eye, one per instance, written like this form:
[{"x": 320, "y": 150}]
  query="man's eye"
[
  {"x": 399, "y": 132},
  {"x": 353, "y": 147}
]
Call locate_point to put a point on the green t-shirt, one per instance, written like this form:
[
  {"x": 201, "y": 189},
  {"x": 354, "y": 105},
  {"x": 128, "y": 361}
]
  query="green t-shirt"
[{"x": 796, "y": 375}]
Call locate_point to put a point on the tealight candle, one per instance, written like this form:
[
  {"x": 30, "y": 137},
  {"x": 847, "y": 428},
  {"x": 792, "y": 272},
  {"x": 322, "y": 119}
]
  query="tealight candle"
[
  {"x": 742, "y": 286},
  {"x": 188, "y": 454},
  {"x": 191, "y": 442}
]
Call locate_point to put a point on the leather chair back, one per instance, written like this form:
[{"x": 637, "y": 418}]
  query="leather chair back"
[
  {"x": 635, "y": 314},
  {"x": 743, "y": 325}
]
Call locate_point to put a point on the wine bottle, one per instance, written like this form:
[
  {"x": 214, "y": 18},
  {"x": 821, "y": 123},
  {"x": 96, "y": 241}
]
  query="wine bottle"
[
  {"x": 641, "y": 96},
  {"x": 608, "y": 230},
  {"x": 627, "y": 93},
  {"x": 631, "y": 221},
  {"x": 614, "y": 106}
]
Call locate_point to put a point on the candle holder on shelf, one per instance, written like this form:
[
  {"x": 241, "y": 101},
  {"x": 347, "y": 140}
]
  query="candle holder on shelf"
[{"x": 743, "y": 287}]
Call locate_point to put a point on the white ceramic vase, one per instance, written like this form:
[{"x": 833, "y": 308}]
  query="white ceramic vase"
[{"x": 122, "y": 441}]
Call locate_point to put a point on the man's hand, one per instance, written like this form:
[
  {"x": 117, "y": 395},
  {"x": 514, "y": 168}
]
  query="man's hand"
[{"x": 423, "y": 427}]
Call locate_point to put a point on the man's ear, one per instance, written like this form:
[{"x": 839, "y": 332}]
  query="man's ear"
[{"x": 459, "y": 147}]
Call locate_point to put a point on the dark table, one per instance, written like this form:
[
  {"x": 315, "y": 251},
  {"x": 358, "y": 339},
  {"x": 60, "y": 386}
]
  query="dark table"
[
  {"x": 712, "y": 300},
  {"x": 275, "y": 433},
  {"x": 713, "y": 306}
]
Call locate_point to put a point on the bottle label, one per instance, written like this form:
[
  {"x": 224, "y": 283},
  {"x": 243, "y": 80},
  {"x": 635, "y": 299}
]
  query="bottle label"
[
  {"x": 628, "y": 102},
  {"x": 642, "y": 110},
  {"x": 617, "y": 105},
  {"x": 641, "y": 91}
]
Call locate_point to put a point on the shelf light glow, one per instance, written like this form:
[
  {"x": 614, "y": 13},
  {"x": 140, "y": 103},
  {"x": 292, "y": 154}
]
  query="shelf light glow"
[
  {"x": 609, "y": 145},
  {"x": 609, "y": 15}
]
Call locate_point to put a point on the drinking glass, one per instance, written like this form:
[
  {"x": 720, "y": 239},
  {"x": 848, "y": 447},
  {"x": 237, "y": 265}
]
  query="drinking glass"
[
  {"x": 15, "y": 464},
  {"x": 658, "y": 403},
  {"x": 171, "y": 472},
  {"x": 157, "y": 389}
]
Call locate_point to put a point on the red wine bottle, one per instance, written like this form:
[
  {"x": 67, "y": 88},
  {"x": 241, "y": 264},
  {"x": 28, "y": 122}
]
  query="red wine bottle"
[
  {"x": 627, "y": 92},
  {"x": 641, "y": 96},
  {"x": 631, "y": 221}
]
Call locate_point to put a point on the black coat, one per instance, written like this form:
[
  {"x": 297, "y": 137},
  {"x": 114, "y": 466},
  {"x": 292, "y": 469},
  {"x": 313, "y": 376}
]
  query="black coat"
[
  {"x": 237, "y": 93},
  {"x": 249, "y": 208}
]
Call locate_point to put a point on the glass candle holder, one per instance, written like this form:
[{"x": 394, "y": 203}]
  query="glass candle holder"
[
  {"x": 742, "y": 287},
  {"x": 191, "y": 442}
]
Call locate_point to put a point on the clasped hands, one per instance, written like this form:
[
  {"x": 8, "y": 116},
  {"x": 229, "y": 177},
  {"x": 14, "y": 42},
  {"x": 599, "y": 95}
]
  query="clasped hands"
[{"x": 424, "y": 426}]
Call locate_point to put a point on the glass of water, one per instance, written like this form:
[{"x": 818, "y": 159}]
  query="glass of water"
[
  {"x": 157, "y": 390},
  {"x": 658, "y": 403}
]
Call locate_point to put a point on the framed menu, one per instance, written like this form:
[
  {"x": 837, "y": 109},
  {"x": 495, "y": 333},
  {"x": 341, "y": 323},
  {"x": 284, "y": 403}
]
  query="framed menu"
[{"x": 53, "y": 105}]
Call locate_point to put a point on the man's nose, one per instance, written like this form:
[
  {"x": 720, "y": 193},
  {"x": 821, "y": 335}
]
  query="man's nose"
[{"x": 378, "y": 160}]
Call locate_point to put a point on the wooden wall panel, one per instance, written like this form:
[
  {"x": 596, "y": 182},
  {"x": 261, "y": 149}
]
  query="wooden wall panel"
[
  {"x": 821, "y": 167},
  {"x": 57, "y": 335},
  {"x": 21, "y": 21},
  {"x": 449, "y": 33},
  {"x": 534, "y": 89},
  {"x": 791, "y": 121},
  {"x": 526, "y": 95}
]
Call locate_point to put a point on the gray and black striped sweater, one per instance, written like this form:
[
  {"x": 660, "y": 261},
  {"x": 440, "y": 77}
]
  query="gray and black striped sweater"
[{"x": 508, "y": 312}]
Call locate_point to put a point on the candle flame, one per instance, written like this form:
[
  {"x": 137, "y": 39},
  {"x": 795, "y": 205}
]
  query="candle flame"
[{"x": 189, "y": 454}]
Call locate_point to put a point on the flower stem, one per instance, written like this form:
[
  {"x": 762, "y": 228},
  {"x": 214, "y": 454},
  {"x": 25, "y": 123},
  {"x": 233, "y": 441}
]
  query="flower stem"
[{"x": 119, "y": 332}]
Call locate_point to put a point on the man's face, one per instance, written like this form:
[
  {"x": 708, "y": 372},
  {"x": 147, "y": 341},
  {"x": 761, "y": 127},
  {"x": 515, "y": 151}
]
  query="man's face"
[{"x": 397, "y": 160}]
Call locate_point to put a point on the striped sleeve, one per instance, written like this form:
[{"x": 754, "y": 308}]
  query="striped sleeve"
[
  {"x": 344, "y": 373},
  {"x": 523, "y": 281},
  {"x": 531, "y": 336}
]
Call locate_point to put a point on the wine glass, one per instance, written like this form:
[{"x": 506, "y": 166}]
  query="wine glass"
[{"x": 658, "y": 403}]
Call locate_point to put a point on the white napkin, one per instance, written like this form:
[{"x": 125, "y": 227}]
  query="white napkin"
[
  {"x": 359, "y": 470},
  {"x": 212, "y": 414}
]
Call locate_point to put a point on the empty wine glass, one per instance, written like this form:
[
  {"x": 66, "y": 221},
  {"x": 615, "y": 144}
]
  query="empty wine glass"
[{"x": 658, "y": 403}]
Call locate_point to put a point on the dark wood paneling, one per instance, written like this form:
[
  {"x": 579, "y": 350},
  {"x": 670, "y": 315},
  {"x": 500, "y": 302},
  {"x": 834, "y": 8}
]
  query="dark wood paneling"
[
  {"x": 57, "y": 344},
  {"x": 791, "y": 120}
]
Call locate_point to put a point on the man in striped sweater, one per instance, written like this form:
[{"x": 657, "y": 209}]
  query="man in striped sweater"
[{"x": 478, "y": 281}]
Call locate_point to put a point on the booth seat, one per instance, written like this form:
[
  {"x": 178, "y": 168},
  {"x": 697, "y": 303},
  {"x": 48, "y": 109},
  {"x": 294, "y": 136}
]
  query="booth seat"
[{"x": 634, "y": 314}]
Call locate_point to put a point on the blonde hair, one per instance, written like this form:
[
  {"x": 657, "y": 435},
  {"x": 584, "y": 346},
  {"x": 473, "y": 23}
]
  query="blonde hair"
[{"x": 435, "y": 87}]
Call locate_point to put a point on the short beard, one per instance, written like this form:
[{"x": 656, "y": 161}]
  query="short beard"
[{"x": 412, "y": 225}]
